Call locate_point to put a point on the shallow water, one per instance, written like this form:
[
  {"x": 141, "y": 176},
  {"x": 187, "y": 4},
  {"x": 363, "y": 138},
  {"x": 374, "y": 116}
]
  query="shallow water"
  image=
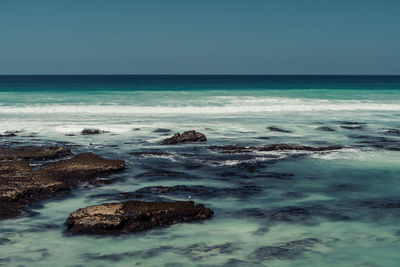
[{"x": 338, "y": 208}]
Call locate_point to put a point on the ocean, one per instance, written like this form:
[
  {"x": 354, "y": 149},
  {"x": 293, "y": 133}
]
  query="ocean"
[{"x": 272, "y": 208}]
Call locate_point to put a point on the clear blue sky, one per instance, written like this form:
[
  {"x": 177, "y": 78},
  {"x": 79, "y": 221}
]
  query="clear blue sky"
[{"x": 200, "y": 37}]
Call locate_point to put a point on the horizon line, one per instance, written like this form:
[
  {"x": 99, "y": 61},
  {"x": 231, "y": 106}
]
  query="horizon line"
[{"x": 195, "y": 74}]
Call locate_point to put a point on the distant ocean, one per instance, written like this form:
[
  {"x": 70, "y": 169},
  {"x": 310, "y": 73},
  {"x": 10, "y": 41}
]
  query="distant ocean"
[{"x": 281, "y": 208}]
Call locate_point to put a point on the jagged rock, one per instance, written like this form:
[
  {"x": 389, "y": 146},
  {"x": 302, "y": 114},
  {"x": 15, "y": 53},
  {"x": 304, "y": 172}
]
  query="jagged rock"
[
  {"x": 186, "y": 137},
  {"x": 29, "y": 152},
  {"x": 276, "y": 129},
  {"x": 21, "y": 185},
  {"x": 133, "y": 216},
  {"x": 274, "y": 147}
]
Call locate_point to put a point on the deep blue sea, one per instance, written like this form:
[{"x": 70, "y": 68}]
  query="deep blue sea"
[{"x": 286, "y": 208}]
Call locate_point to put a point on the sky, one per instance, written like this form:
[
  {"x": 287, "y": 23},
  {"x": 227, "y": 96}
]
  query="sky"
[{"x": 200, "y": 37}]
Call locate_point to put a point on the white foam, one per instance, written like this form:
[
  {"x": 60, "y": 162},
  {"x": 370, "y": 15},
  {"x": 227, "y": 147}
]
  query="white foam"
[{"x": 227, "y": 109}]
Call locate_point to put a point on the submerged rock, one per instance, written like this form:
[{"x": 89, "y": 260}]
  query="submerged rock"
[
  {"x": 133, "y": 216},
  {"x": 286, "y": 251},
  {"x": 186, "y": 137},
  {"x": 276, "y": 129},
  {"x": 21, "y": 185},
  {"x": 274, "y": 147},
  {"x": 30, "y": 152}
]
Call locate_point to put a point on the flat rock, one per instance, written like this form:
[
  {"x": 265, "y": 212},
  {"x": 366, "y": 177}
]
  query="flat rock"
[
  {"x": 21, "y": 185},
  {"x": 134, "y": 216},
  {"x": 186, "y": 137},
  {"x": 274, "y": 147},
  {"x": 36, "y": 153}
]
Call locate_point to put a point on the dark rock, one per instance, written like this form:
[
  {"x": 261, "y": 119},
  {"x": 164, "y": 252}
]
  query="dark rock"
[
  {"x": 29, "y": 152},
  {"x": 70, "y": 135},
  {"x": 275, "y": 147},
  {"x": 186, "y": 137},
  {"x": 134, "y": 216},
  {"x": 276, "y": 129},
  {"x": 262, "y": 138},
  {"x": 161, "y": 130},
  {"x": 21, "y": 185},
  {"x": 88, "y": 131},
  {"x": 325, "y": 129},
  {"x": 358, "y": 127}
]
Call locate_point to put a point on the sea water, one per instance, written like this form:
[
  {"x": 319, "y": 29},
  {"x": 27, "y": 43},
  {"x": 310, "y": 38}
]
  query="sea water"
[{"x": 338, "y": 208}]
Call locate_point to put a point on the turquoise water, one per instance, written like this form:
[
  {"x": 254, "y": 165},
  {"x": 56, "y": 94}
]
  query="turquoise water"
[{"x": 346, "y": 203}]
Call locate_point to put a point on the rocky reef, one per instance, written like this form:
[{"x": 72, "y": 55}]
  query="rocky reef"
[
  {"x": 22, "y": 185},
  {"x": 134, "y": 216},
  {"x": 186, "y": 137}
]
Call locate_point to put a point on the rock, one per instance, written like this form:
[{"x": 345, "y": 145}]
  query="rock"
[
  {"x": 274, "y": 147},
  {"x": 36, "y": 153},
  {"x": 325, "y": 129},
  {"x": 276, "y": 129},
  {"x": 161, "y": 130},
  {"x": 186, "y": 137},
  {"x": 85, "y": 165},
  {"x": 92, "y": 131},
  {"x": 133, "y": 216},
  {"x": 21, "y": 185}
]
